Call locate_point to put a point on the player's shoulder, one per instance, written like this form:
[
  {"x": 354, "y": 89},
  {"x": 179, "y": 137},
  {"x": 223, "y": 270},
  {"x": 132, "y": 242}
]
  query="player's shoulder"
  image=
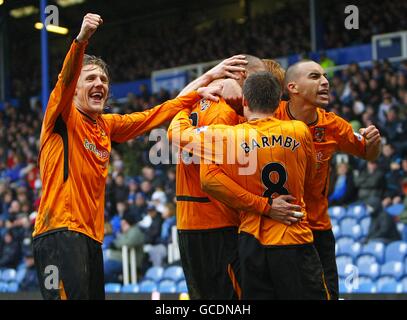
[
  {"x": 329, "y": 118},
  {"x": 294, "y": 125},
  {"x": 211, "y": 112}
]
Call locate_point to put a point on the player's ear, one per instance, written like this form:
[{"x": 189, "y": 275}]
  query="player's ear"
[
  {"x": 292, "y": 87},
  {"x": 244, "y": 102}
]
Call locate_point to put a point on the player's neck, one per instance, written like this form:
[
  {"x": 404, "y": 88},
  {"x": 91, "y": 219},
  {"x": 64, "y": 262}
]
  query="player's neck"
[
  {"x": 302, "y": 111},
  {"x": 258, "y": 115}
]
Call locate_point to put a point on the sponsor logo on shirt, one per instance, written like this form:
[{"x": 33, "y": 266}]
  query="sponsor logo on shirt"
[{"x": 102, "y": 154}]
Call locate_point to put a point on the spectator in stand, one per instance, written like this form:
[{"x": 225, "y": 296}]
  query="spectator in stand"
[
  {"x": 403, "y": 215},
  {"x": 138, "y": 207},
  {"x": 151, "y": 225},
  {"x": 169, "y": 186},
  {"x": 169, "y": 221},
  {"x": 382, "y": 226},
  {"x": 121, "y": 190},
  {"x": 344, "y": 188},
  {"x": 393, "y": 177},
  {"x": 370, "y": 182},
  {"x": 130, "y": 236},
  {"x": 326, "y": 63},
  {"x": 10, "y": 251},
  {"x": 30, "y": 279}
]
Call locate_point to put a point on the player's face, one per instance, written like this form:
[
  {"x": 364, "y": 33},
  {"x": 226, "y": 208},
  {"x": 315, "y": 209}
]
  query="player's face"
[
  {"x": 92, "y": 90},
  {"x": 313, "y": 85}
]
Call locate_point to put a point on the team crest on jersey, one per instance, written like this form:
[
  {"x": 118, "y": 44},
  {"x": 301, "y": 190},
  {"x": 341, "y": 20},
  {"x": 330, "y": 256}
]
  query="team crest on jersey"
[
  {"x": 205, "y": 104},
  {"x": 319, "y": 134},
  {"x": 102, "y": 133}
]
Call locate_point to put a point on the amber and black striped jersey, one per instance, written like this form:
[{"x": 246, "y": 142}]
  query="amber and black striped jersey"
[
  {"x": 330, "y": 134},
  {"x": 75, "y": 150},
  {"x": 284, "y": 159},
  {"x": 196, "y": 210}
]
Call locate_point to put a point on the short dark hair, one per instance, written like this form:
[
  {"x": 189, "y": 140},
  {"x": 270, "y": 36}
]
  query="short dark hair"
[
  {"x": 262, "y": 92},
  {"x": 89, "y": 59},
  {"x": 292, "y": 71}
]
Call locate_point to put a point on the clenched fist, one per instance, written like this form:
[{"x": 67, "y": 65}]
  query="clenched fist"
[{"x": 89, "y": 25}]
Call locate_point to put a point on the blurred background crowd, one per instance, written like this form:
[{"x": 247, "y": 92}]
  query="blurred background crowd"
[{"x": 140, "y": 197}]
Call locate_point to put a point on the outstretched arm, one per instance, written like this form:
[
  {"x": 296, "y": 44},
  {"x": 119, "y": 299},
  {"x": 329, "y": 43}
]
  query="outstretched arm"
[
  {"x": 60, "y": 101},
  {"x": 125, "y": 127}
]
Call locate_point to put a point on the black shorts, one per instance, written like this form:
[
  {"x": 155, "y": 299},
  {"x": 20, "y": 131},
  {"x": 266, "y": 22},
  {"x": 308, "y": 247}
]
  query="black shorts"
[
  {"x": 280, "y": 272},
  {"x": 69, "y": 266},
  {"x": 324, "y": 242},
  {"x": 211, "y": 263}
]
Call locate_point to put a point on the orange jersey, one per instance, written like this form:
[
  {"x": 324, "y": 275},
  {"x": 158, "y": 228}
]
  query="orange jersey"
[
  {"x": 284, "y": 160},
  {"x": 196, "y": 210},
  {"x": 75, "y": 150},
  {"x": 330, "y": 134}
]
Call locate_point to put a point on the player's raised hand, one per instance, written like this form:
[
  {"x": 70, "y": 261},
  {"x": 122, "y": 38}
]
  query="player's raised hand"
[
  {"x": 89, "y": 25},
  {"x": 229, "y": 68},
  {"x": 371, "y": 134},
  {"x": 211, "y": 93},
  {"x": 285, "y": 212}
]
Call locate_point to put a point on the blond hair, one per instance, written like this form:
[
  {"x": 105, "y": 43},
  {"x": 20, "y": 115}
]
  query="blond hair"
[{"x": 276, "y": 69}]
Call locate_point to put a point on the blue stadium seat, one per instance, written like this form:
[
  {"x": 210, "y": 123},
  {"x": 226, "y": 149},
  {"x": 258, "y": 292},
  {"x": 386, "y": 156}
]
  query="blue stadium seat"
[
  {"x": 182, "y": 286},
  {"x": 357, "y": 211},
  {"x": 337, "y": 212},
  {"x": 351, "y": 228},
  {"x": 12, "y": 287},
  {"x": 336, "y": 230},
  {"x": 20, "y": 274},
  {"x": 395, "y": 209},
  {"x": 396, "y": 251},
  {"x": 342, "y": 286},
  {"x": 167, "y": 286},
  {"x": 8, "y": 275},
  {"x": 392, "y": 268},
  {"x": 175, "y": 273},
  {"x": 389, "y": 286},
  {"x": 112, "y": 287},
  {"x": 147, "y": 286},
  {"x": 345, "y": 265},
  {"x": 343, "y": 241},
  {"x": 365, "y": 224},
  {"x": 400, "y": 228},
  {"x": 130, "y": 288},
  {"x": 154, "y": 274},
  {"x": 351, "y": 249},
  {"x": 404, "y": 284},
  {"x": 368, "y": 266},
  {"x": 334, "y": 221},
  {"x": 364, "y": 285},
  {"x": 375, "y": 248},
  {"x": 3, "y": 286},
  {"x": 383, "y": 279}
]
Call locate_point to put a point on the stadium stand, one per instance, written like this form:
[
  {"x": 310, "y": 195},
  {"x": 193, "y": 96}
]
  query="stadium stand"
[{"x": 376, "y": 94}]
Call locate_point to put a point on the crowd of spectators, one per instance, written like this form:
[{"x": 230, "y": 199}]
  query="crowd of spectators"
[
  {"x": 140, "y": 197},
  {"x": 133, "y": 52}
]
